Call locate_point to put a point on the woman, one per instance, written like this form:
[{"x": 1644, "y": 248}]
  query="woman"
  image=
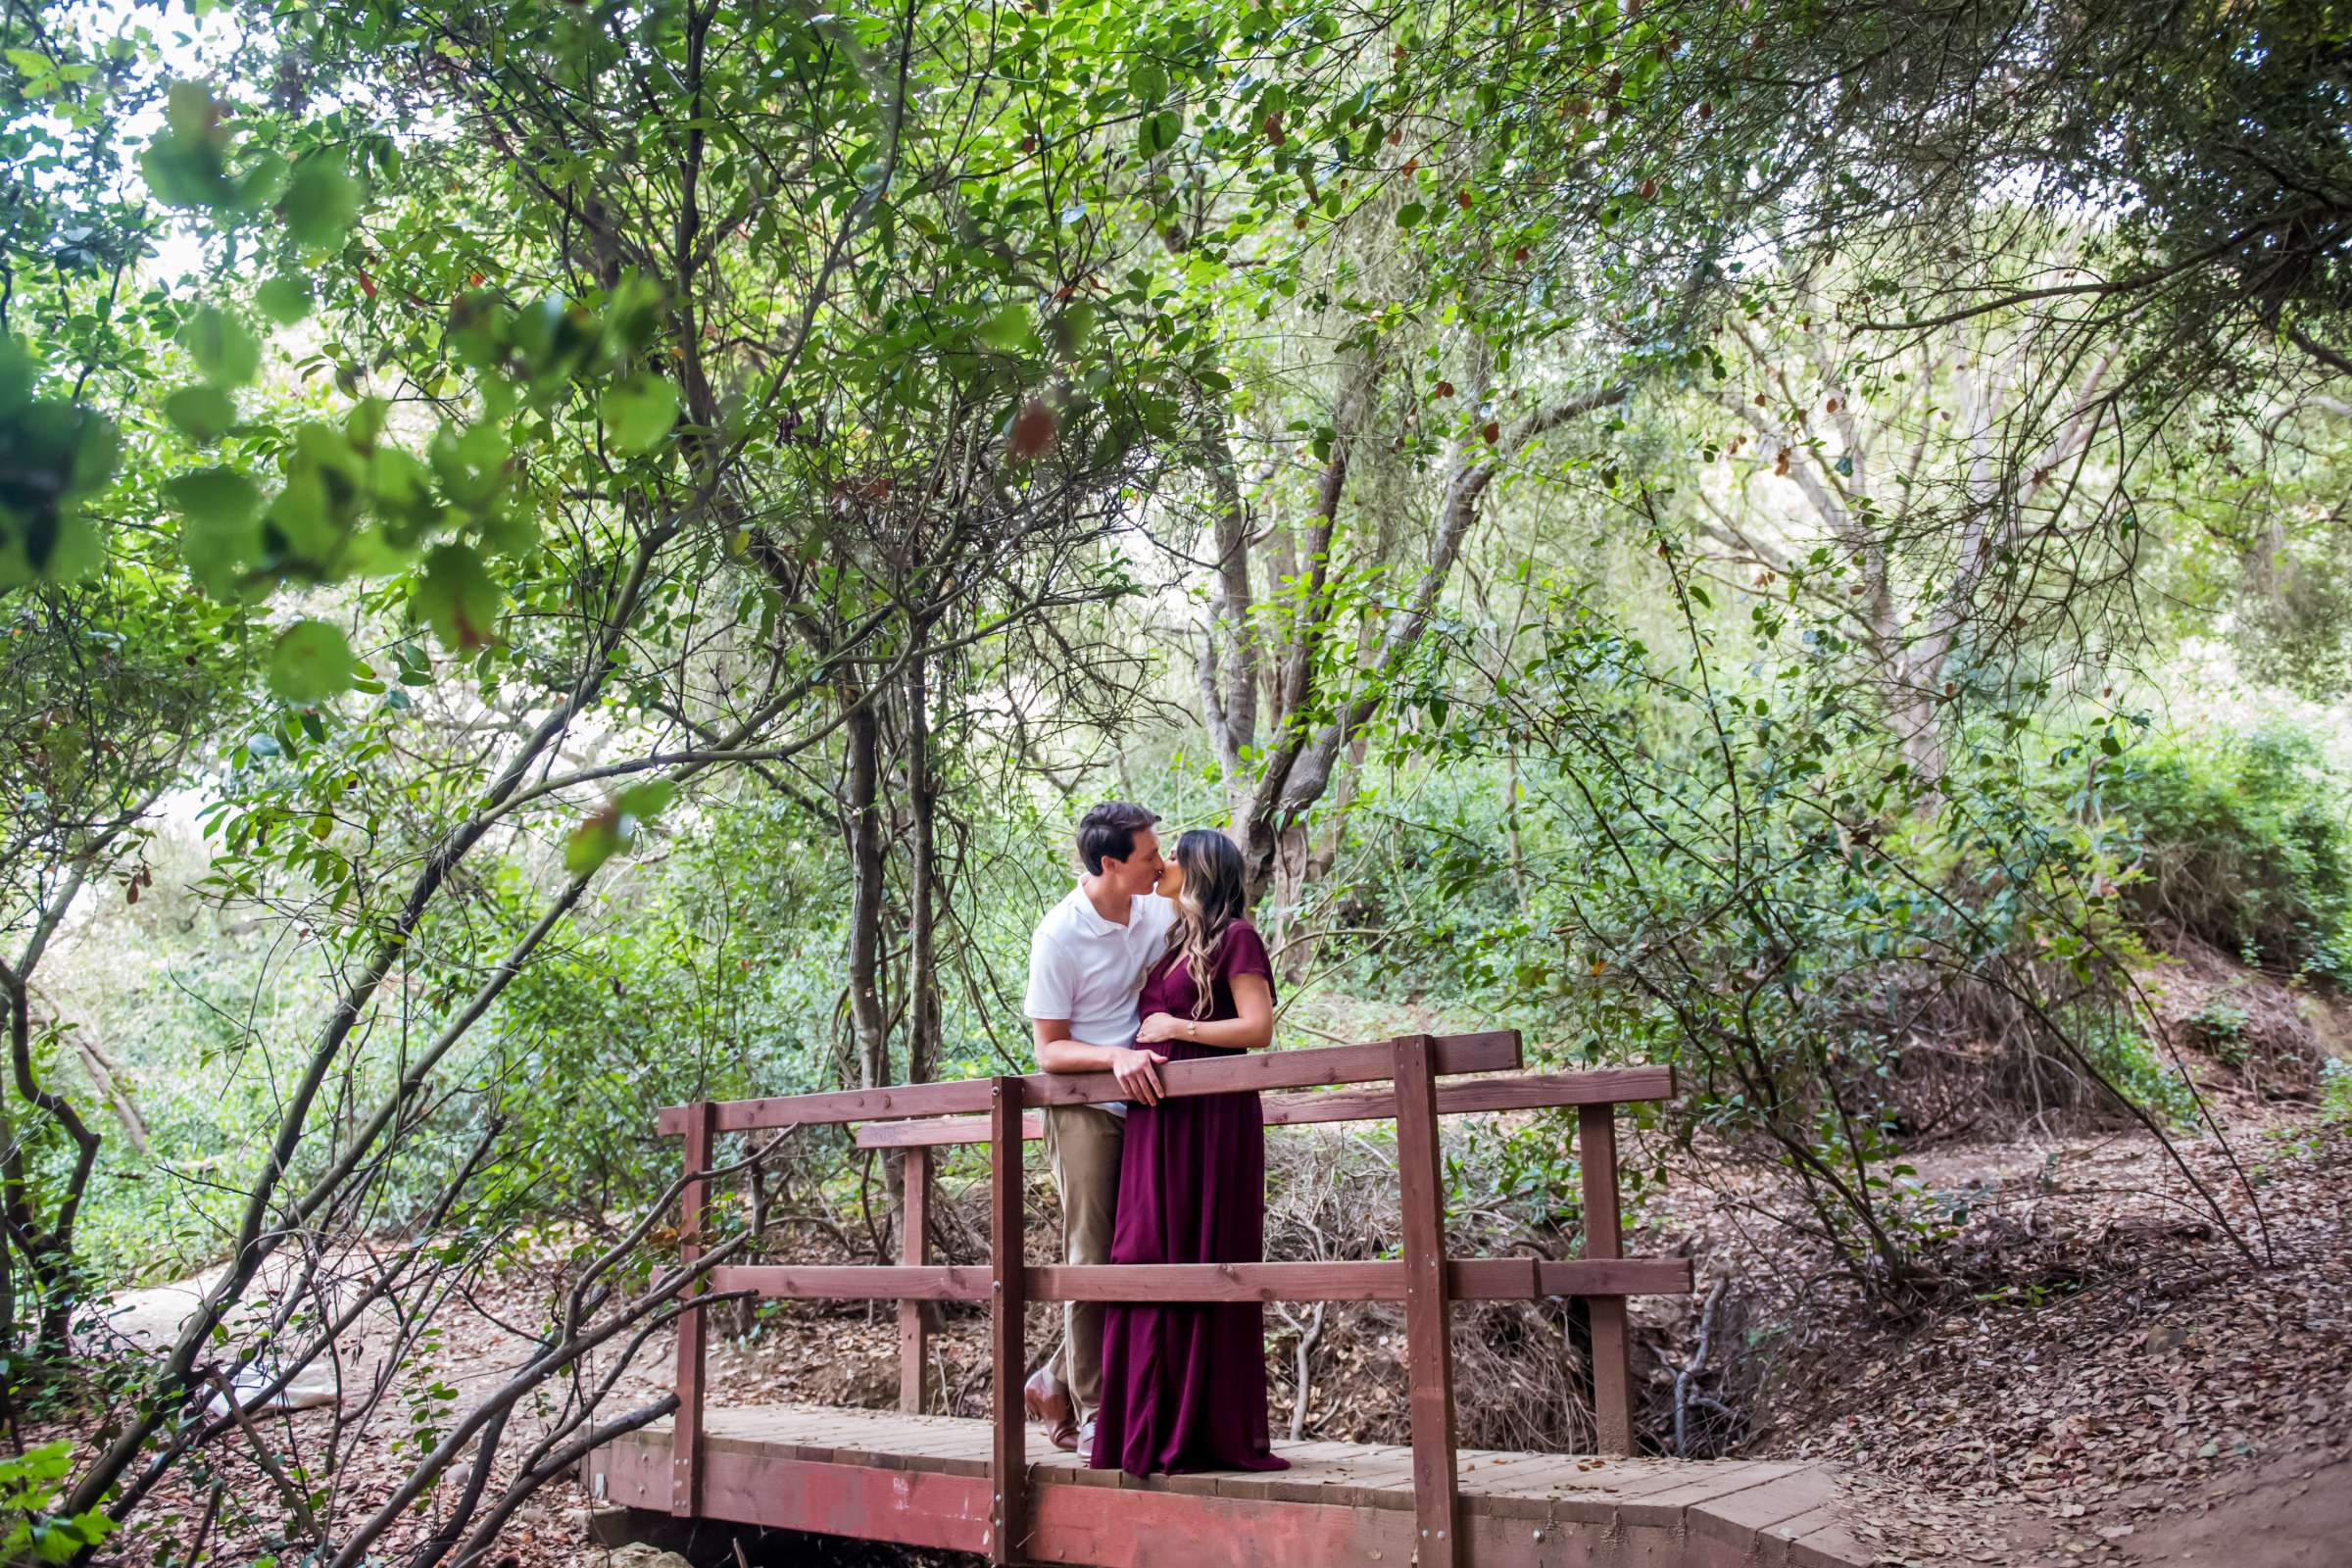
[{"x": 1184, "y": 1386}]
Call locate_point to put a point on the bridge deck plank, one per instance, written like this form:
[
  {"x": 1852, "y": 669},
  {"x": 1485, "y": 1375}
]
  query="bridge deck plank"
[{"x": 1731, "y": 1503}]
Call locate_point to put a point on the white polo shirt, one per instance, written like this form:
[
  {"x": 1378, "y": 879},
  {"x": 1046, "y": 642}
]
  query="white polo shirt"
[{"x": 1084, "y": 968}]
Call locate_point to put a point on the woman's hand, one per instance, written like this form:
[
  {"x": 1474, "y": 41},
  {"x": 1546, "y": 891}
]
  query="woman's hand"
[{"x": 1158, "y": 1027}]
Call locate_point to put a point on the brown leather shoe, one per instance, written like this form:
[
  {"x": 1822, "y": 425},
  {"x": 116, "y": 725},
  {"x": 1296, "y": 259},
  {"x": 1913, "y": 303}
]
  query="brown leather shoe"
[{"x": 1046, "y": 1399}]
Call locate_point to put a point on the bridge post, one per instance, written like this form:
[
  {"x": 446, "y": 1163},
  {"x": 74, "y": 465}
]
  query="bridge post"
[
  {"x": 686, "y": 1429},
  {"x": 1008, "y": 1466},
  {"x": 914, "y": 1250},
  {"x": 1428, "y": 1312},
  {"x": 1612, "y": 1366}
]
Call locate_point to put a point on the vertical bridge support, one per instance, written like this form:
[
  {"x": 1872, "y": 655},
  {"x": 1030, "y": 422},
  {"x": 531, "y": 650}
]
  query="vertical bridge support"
[
  {"x": 1428, "y": 1308},
  {"x": 686, "y": 1435},
  {"x": 1009, "y": 1465},
  {"x": 1612, "y": 1365},
  {"x": 914, "y": 1251}
]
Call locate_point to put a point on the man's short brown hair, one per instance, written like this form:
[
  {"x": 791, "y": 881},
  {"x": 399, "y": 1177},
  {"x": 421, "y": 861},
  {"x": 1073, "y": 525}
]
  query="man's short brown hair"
[{"x": 1108, "y": 833}]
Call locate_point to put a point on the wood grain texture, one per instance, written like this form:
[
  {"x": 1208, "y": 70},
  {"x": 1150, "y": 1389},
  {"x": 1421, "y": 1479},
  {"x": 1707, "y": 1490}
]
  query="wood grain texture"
[
  {"x": 1518, "y": 1092},
  {"x": 1612, "y": 1366},
  {"x": 857, "y": 1282},
  {"x": 1428, "y": 1309},
  {"x": 1496, "y": 1051},
  {"x": 791, "y": 1465},
  {"x": 1156, "y": 1529},
  {"x": 686, "y": 1477},
  {"x": 914, "y": 1251},
  {"x": 1008, "y": 1467},
  {"x": 961, "y": 1096},
  {"x": 1470, "y": 1279}
]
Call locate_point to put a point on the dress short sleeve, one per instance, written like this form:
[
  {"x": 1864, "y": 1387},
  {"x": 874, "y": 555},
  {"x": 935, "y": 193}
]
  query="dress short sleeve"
[{"x": 1243, "y": 952}]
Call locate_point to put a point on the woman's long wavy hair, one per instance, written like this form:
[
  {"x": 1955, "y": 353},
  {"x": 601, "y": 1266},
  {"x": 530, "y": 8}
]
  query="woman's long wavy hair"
[{"x": 1214, "y": 895}]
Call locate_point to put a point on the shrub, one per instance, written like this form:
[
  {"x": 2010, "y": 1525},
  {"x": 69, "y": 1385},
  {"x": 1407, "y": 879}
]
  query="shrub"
[
  {"x": 2243, "y": 843},
  {"x": 2335, "y": 1093},
  {"x": 29, "y": 1533}
]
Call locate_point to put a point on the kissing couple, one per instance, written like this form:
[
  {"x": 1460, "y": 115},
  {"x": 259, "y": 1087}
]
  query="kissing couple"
[{"x": 1152, "y": 959}]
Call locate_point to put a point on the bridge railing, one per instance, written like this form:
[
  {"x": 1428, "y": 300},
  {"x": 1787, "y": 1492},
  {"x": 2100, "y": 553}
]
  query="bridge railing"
[{"x": 1405, "y": 1076}]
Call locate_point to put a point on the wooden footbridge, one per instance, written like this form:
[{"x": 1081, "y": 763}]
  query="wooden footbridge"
[{"x": 973, "y": 1486}]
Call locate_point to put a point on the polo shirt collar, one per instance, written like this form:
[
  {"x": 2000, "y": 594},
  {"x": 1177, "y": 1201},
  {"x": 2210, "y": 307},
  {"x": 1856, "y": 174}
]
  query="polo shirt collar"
[{"x": 1091, "y": 921}]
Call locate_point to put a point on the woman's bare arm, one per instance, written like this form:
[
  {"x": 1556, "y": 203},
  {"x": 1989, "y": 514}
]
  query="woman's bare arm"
[{"x": 1254, "y": 1030}]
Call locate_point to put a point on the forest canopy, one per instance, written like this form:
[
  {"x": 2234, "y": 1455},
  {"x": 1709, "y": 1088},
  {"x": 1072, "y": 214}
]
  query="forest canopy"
[{"x": 560, "y": 559}]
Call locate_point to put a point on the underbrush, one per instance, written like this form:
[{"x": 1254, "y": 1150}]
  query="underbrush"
[
  {"x": 2243, "y": 843},
  {"x": 2335, "y": 1093}
]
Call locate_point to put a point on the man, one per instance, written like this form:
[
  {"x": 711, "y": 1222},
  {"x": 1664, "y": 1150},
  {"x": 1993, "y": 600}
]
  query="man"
[{"x": 1087, "y": 964}]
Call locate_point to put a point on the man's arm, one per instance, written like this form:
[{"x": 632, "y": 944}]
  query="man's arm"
[{"x": 1138, "y": 1071}]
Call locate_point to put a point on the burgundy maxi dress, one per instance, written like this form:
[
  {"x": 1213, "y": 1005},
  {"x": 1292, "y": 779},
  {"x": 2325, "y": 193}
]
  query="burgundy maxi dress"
[{"x": 1184, "y": 1385}]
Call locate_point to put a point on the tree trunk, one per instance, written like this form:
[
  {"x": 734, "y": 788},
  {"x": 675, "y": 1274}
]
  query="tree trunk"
[
  {"x": 924, "y": 1028},
  {"x": 861, "y": 828}
]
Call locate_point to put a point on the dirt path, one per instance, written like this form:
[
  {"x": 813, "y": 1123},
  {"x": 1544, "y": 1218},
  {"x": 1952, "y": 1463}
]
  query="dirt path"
[{"x": 2291, "y": 1514}]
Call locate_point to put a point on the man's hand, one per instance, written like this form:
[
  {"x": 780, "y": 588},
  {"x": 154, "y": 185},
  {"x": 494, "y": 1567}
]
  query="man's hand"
[{"x": 1138, "y": 1073}]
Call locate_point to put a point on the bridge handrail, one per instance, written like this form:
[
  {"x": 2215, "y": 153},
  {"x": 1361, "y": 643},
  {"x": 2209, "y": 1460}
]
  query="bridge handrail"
[
  {"x": 1407, "y": 1069},
  {"x": 1491, "y": 1051},
  {"x": 1602, "y": 1086}
]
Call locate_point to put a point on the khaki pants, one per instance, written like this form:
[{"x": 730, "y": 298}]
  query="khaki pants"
[{"x": 1082, "y": 1146}]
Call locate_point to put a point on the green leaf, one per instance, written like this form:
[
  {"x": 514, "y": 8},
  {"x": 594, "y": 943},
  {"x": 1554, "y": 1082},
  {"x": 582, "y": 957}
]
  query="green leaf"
[
  {"x": 219, "y": 498},
  {"x": 1008, "y": 330},
  {"x": 185, "y": 163},
  {"x": 1156, "y": 133},
  {"x": 645, "y": 802},
  {"x": 204, "y": 414},
  {"x": 593, "y": 843},
  {"x": 226, "y": 353},
  {"x": 310, "y": 663},
  {"x": 284, "y": 300},
  {"x": 640, "y": 411},
  {"x": 457, "y": 598},
  {"x": 321, "y": 201},
  {"x": 1410, "y": 214},
  {"x": 264, "y": 183}
]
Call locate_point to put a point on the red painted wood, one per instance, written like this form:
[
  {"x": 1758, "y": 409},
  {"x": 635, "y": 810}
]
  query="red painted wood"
[
  {"x": 1535, "y": 1091},
  {"x": 908, "y": 1507},
  {"x": 1612, "y": 1365},
  {"x": 1109, "y": 1528},
  {"x": 870, "y": 1503},
  {"x": 1493, "y": 1052},
  {"x": 1496, "y": 1051},
  {"x": 1599, "y": 1277},
  {"x": 1009, "y": 1465},
  {"x": 914, "y": 1251},
  {"x": 857, "y": 1282},
  {"x": 1428, "y": 1313},
  {"x": 961, "y": 1096},
  {"x": 1470, "y": 1279},
  {"x": 686, "y": 1434},
  {"x": 1523, "y": 1091},
  {"x": 939, "y": 1131},
  {"x": 1218, "y": 1282}
]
